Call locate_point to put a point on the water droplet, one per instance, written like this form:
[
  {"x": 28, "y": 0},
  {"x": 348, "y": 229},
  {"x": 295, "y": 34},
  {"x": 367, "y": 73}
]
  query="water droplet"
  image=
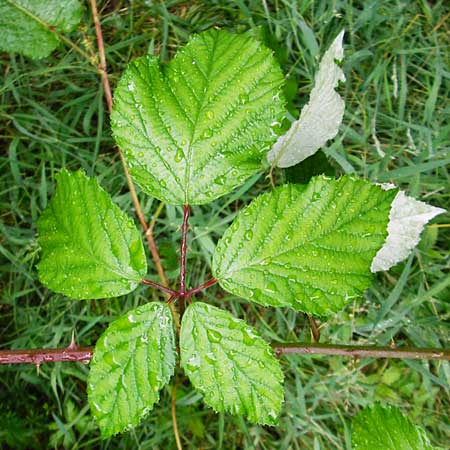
[
  {"x": 220, "y": 180},
  {"x": 131, "y": 87},
  {"x": 316, "y": 196},
  {"x": 213, "y": 335},
  {"x": 131, "y": 318},
  {"x": 243, "y": 98},
  {"x": 207, "y": 133},
  {"x": 209, "y": 114},
  {"x": 235, "y": 225},
  {"x": 179, "y": 155},
  {"x": 163, "y": 183},
  {"x": 141, "y": 154},
  {"x": 248, "y": 336},
  {"x": 248, "y": 235},
  {"x": 266, "y": 261},
  {"x": 194, "y": 361},
  {"x": 271, "y": 287}
]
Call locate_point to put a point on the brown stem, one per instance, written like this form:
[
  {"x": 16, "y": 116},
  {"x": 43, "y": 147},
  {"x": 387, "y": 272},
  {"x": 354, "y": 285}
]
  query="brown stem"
[
  {"x": 165, "y": 289},
  {"x": 183, "y": 255},
  {"x": 84, "y": 354},
  {"x": 362, "y": 351},
  {"x": 46, "y": 355},
  {"x": 132, "y": 189},
  {"x": 205, "y": 285},
  {"x": 314, "y": 328}
]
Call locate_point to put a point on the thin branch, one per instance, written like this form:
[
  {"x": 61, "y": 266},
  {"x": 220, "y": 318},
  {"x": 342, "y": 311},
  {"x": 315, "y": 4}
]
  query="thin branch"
[
  {"x": 205, "y": 285},
  {"x": 46, "y": 355},
  {"x": 84, "y": 354},
  {"x": 108, "y": 96},
  {"x": 362, "y": 351},
  {"x": 170, "y": 292},
  {"x": 183, "y": 255},
  {"x": 174, "y": 417}
]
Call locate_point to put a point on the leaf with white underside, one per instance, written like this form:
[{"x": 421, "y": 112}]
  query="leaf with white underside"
[
  {"x": 198, "y": 127},
  {"x": 386, "y": 428},
  {"x": 320, "y": 119},
  {"x": 306, "y": 247},
  {"x": 230, "y": 364},
  {"x": 90, "y": 248},
  {"x": 407, "y": 220},
  {"x": 24, "y": 25},
  {"x": 133, "y": 360}
]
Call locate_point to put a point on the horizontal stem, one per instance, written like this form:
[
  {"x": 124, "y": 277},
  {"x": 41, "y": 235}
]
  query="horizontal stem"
[
  {"x": 46, "y": 355},
  {"x": 205, "y": 285},
  {"x": 169, "y": 291},
  {"x": 362, "y": 351},
  {"x": 84, "y": 354}
]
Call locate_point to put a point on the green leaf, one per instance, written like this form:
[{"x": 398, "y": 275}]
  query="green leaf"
[
  {"x": 307, "y": 247},
  {"x": 230, "y": 364},
  {"x": 90, "y": 248},
  {"x": 197, "y": 128},
  {"x": 24, "y": 25},
  {"x": 133, "y": 360},
  {"x": 379, "y": 428}
]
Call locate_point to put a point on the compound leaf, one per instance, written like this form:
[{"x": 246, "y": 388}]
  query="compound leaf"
[
  {"x": 200, "y": 126},
  {"x": 133, "y": 360},
  {"x": 306, "y": 247},
  {"x": 386, "y": 428},
  {"x": 407, "y": 219},
  {"x": 320, "y": 119},
  {"x": 230, "y": 364},
  {"x": 90, "y": 248},
  {"x": 24, "y": 25}
]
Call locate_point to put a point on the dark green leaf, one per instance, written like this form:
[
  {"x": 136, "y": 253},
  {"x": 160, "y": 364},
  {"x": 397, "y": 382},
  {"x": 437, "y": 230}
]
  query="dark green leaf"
[{"x": 24, "y": 24}]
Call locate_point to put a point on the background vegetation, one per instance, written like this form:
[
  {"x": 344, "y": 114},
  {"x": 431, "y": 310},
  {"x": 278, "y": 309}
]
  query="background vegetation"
[{"x": 396, "y": 128}]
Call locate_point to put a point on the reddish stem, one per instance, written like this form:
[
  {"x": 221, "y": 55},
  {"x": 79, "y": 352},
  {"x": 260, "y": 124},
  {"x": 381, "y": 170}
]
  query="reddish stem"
[
  {"x": 169, "y": 291},
  {"x": 183, "y": 251},
  {"x": 205, "y": 285},
  {"x": 46, "y": 355},
  {"x": 84, "y": 354}
]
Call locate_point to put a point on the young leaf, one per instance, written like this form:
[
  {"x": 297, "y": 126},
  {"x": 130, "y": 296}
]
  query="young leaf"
[
  {"x": 320, "y": 119},
  {"x": 24, "y": 25},
  {"x": 90, "y": 248},
  {"x": 307, "y": 247},
  {"x": 197, "y": 128},
  {"x": 133, "y": 360},
  {"x": 386, "y": 428},
  {"x": 230, "y": 364},
  {"x": 406, "y": 222}
]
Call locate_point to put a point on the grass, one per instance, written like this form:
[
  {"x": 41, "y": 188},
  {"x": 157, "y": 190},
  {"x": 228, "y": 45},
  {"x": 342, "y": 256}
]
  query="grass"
[{"x": 396, "y": 128}]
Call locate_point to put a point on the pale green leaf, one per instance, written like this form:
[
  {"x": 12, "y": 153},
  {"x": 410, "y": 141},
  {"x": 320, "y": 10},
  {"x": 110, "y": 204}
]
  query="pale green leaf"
[
  {"x": 195, "y": 129},
  {"x": 133, "y": 360},
  {"x": 386, "y": 428},
  {"x": 230, "y": 364},
  {"x": 407, "y": 220},
  {"x": 90, "y": 248},
  {"x": 24, "y": 24},
  {"x": 320, "y": 119},
  {"x": 307, "y": 247}
]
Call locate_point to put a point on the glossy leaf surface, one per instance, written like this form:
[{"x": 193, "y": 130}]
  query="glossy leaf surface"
[
  {"x": 386, "y": 428},
  {"x": 197, "y": 128},
  {"x": 307, "y": 247},
  {"x": 90, "y": 248},
  {"x": 230, "y": 364},
  {"x": 133, "y": 359}
]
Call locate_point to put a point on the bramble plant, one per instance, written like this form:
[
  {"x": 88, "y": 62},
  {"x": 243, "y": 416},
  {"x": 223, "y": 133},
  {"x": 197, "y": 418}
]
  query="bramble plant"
[{"x": 190, "y": 132}]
